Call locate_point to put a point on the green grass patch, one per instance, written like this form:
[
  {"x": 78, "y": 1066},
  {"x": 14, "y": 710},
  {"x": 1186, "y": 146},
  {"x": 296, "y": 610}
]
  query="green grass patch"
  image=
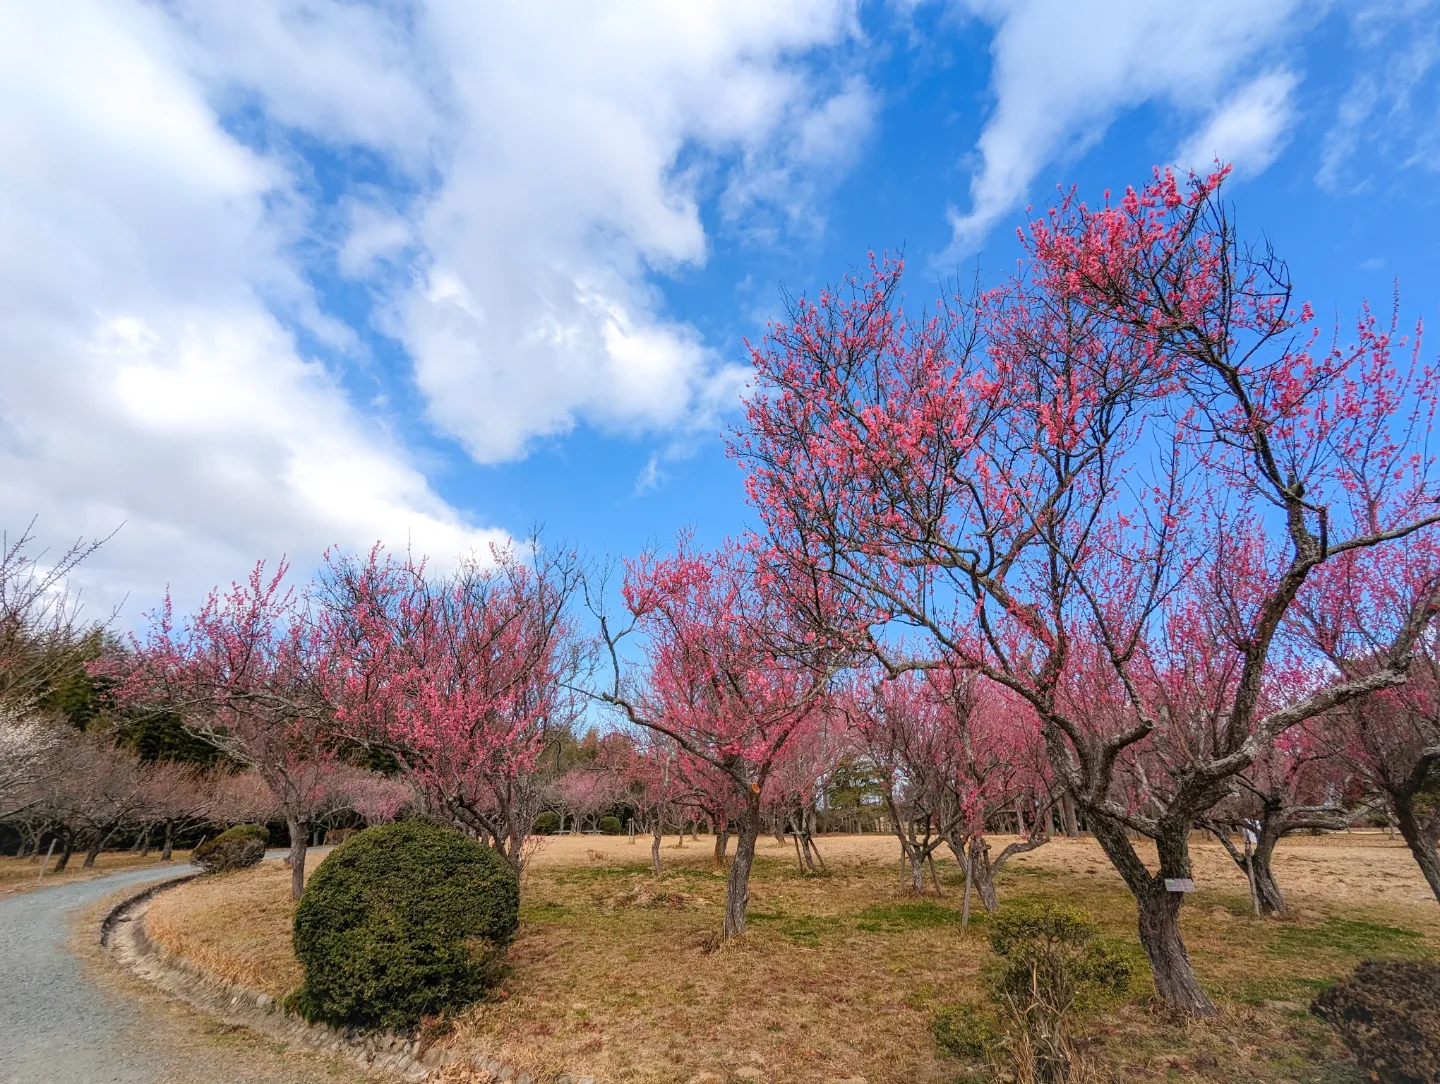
[
  {"x": 544, "y": 911},
  {"x": 802, "y": 929},
  {"x": 908, "y": 915},
  {"x": 1349, "y": 938},
  {"x": 1294, "y": 988}
]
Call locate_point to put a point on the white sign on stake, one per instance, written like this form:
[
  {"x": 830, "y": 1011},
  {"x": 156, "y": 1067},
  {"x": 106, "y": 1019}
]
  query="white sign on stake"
[{"x": 1179, "y": 884}]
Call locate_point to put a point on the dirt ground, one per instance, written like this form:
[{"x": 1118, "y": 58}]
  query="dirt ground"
[{"x": 616, "y": 974}]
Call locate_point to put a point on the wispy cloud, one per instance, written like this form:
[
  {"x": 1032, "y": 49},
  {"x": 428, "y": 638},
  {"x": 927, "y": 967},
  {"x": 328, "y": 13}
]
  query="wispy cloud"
[
  {"x": 1389, "y": 117},
  {"x": 1248, "y": 130},
  {"x": 1063, "y": 69}
]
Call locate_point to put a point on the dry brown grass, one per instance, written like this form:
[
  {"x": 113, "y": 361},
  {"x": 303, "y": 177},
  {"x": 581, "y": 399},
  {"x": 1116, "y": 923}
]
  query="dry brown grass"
[
  {"x": 236, "y": 926},
  {"x": 616, "y": 974},
  {"x": 21, "y": 874}
]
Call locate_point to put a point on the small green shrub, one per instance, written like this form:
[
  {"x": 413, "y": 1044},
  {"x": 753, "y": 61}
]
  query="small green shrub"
[
  {"x": 547, "y": 824},
  {"x": 1388, "y": 1014},
  {"x": 610, "y": 826},
  {"x": 1049, "y": 954},
  {"x": 965, "y": 1031},
  {"x": 403, "y": 921},
  {"x": 235, "y": 848},
  {"x": 1048, "y": 966}
]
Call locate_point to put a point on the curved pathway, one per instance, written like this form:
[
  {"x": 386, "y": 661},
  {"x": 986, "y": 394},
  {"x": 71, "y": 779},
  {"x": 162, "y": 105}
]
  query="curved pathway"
[{"x": 58, "y": 1025}]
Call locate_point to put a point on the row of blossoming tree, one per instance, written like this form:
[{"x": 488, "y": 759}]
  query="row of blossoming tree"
[
  {"x": 1131, "y": 487},
  {"x": 1116, "y": 541}
]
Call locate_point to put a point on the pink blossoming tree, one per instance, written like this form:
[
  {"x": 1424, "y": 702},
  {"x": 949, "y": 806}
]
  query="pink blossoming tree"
[{"x": 1131, "y": 454}]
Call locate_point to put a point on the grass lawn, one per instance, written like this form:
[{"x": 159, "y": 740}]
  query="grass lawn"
[
  {"x": 615, "y": 974},
  {"x": 21, "y": 874}
]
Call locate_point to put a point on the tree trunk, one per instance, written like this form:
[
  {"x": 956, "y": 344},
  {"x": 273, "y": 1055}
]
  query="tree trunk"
[
  {"x": 1422, "y": 843},
  {"x": 1175, "y": 981},
  {"x": 1176, "y": 984},
  {"x": 737, "y": 888},
  {"x": 722, "y": 844},
  {"x": 969, "y": 864},
  {"x": 299, "y": 837},
  {"x": 917, "y": 872},
  {"x": 655, "y": 837},
  {"x": 983, "y": 874},
  {"x": 65, "y": 854},
  {"x": 1267, "y": 889},
  {"x": 93, "y": 851},
  {"x": 1068, "y": 819},
  {"x": 169, "y": 840}
]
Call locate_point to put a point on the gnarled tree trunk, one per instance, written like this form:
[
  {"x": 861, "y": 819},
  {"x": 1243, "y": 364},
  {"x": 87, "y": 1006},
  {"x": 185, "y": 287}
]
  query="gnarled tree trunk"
[
  {"x": 1158, "y": 910},
  {"x": 65, "y": 854},
  {"x": 655, "y": 838},
  {"x": 1422, "y": 838},
  {"x": 737, "y": 887},
  {"x": 1262, "y": 869}
]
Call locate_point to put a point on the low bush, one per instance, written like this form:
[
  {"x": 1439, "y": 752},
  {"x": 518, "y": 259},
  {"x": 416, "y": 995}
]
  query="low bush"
[
  {"x": 965, "y": 1031},
  {"x": 1048, "y": 964},
  {"x": 235, "y": 848},
  {"x": 547, "y": 824},
  {"x": 610, "y": 826},
  {"x": 400, "y": 922},
  {"x": 1388, "y": 1014},
  {"x": 1049, "y": 954}
]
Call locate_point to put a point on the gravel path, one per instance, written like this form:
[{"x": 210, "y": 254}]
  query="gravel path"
[
  {"x": 58, "y": 1025},
  {"x": 54, "y": 1024}
]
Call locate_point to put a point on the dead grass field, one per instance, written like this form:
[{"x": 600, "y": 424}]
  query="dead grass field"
[
  {"x": 613, "y": 973},
  {"x": 20, "y": 874}
]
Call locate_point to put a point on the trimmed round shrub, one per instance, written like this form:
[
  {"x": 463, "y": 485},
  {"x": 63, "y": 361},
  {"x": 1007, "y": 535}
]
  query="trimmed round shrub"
[
  {"x": 1388, "y": 1013},
  {"x": 610, "y": 826},
  {"x": 235, "y": 848},
  {"x": 547, "y": 824},
  {"x": 400, "y": 922}
]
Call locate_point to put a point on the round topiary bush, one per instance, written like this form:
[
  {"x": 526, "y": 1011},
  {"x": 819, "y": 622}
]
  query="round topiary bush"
[
  {"x": 547, "y": 824},
  {"x": 403, "y": 921},
  {"x": 610, "y": 826},
  {"x": 235, "y": 848}
]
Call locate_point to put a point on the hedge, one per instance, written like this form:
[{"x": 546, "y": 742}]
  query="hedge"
[
  {"x": 400, "y": 922},
  {"x": 235, "y": 848}
]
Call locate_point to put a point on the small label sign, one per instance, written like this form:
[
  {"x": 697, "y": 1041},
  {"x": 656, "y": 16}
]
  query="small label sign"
[{"x": 1179, "y": 884}]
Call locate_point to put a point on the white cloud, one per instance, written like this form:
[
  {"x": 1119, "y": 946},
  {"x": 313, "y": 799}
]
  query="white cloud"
[
  {"x": 510, "y": 177},
  {"x": 1386, "y": 122},
  {"x": 147, "y": 379},
  {"x": 564, "y": 190},
  {"x": 557, "y": 155},
  {"x": 1248, "y": 130},
  {"x": 1064, "y": 68}
]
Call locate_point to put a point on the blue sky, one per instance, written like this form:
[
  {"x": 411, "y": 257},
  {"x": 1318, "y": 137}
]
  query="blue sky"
[{"x": 292, "y": 273}]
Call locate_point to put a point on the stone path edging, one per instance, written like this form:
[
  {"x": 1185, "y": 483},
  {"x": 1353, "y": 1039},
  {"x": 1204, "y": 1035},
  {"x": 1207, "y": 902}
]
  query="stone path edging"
[{"x": 123, "y": 932}]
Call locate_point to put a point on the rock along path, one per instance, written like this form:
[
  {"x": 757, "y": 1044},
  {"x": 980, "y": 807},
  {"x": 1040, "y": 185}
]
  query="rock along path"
[{"x": 58, "y": 1025}]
